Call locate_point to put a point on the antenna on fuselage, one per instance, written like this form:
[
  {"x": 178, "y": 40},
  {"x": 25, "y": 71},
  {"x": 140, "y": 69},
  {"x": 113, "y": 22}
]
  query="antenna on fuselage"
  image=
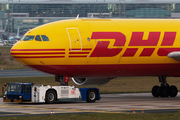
[{"x": 77, "y": 16}]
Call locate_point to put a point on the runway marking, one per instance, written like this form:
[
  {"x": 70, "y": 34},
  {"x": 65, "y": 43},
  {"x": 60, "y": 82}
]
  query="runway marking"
[
  {"x": 70, "y": 110},
  {"x": 64, "y": 110}
]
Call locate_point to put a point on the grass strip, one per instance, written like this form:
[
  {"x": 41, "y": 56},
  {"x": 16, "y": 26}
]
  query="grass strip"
[{"x": 102, "y": 116}]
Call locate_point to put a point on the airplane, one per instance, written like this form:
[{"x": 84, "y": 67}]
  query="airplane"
[
  {"x": 14, "y": 38},
  {"x": 11, "y": 40},
  {"x": 17, "y": 37},
  {"x": 94, "y": 51}
]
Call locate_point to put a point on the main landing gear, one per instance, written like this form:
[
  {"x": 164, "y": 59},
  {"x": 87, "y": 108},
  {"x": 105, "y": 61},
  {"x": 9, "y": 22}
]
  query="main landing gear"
[{"x": 164, "y": 90}]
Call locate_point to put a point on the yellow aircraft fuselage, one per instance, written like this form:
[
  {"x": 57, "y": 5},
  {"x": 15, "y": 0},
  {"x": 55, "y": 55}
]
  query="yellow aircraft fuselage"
[{"x": 102, "y": 47}]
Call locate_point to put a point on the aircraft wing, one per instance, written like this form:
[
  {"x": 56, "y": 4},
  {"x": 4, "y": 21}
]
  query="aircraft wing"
[{"x": 175, "y": 55}]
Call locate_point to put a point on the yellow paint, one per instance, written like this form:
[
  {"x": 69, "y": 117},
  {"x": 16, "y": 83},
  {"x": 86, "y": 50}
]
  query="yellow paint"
[{"x": 64, "y": 35}]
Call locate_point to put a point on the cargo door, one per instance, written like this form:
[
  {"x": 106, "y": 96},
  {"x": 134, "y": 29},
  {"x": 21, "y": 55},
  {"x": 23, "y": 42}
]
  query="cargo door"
[{"x": 74, "y": 39}]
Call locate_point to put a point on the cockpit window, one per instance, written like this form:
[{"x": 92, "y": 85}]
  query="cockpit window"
[
  {"x": 23, "y": 37},
  {"x": 45, "y": 38},
  {"x": 29, "y": 37},
  {"x": 37, "y": 38}
]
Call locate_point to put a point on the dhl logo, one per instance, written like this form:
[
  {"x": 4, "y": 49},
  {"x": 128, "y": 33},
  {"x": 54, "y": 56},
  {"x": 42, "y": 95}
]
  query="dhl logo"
[{"x": 102, "y": 50}]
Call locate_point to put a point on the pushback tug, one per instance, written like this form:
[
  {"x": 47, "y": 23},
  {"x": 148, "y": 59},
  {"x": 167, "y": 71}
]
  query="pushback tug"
[{"x": 28, "y": 92}]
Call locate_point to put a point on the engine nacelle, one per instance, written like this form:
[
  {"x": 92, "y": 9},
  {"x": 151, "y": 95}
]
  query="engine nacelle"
[{"x": 91, "y": 81}]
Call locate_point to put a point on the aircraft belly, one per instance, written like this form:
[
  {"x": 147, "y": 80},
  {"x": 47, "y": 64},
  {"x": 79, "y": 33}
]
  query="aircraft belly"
[{"x": 111, "y": 70}]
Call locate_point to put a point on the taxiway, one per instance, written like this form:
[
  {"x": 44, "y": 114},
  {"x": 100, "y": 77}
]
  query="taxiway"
[
  {"x": 22, "y": 73},
  {"x": 109, "y": 103}
]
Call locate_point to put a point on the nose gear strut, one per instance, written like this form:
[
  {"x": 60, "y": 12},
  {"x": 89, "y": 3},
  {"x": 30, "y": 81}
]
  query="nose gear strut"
[{"x": 64, "y": 80}]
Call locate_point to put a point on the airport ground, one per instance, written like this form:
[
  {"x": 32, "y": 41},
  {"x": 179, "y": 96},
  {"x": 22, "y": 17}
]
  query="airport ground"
[
  {"x": 111, "y": 106},
  {"x": 116, "y": 105},
  {"x": 101, "y": 116}
]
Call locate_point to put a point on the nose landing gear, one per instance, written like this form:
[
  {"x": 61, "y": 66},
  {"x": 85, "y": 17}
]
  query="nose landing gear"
[
  {"x": 64, "y": 80},
  {"x": 164, "y": 90}
]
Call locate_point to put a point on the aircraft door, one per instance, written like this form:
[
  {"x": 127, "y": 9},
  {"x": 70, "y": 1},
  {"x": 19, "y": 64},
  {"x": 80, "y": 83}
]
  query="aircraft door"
[{"x": 74, "y": 39}]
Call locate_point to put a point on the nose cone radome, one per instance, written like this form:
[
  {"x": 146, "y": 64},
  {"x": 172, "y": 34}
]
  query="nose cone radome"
[
  {"x": 18, "y": 51},
  {"x": 14, "y": 49}
]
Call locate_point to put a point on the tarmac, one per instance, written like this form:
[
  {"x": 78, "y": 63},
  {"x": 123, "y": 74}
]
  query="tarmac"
[
  {"x": 11, "y": 73},
  {"x": 109, "y": 103}
]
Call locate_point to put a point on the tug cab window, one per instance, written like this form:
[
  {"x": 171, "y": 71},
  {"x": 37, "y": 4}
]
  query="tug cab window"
[
  {"x": 14, "y": 88},
  {"x": 45, "y": 38},
  {"x": 28, "y": 38},
  {"x": 37, "y": 38}
]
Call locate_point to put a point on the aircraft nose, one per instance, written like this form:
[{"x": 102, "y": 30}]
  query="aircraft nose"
[
  {"x": 17, "y": 51},
  {"x": 14, "y": 51}
]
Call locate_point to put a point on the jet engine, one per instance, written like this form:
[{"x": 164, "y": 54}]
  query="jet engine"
[{"x": 91, "y": 81}]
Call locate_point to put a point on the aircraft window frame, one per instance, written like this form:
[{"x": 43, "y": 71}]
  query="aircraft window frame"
[
  {"x": 39, "y": 39},
  {"x": 31, "y": 38},
  {"x": 44, "y": 38},
  {"x": 23, "y": 37}
]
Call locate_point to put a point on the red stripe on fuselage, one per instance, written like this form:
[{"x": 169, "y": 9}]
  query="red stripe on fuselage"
[
  {"x": 37, "y": 53},
  {"x": 78, "y": 56},
  {"x": 78, "y": 52},
  {"x": 80, "y": 49},
  {"x": 37, "y": 49},
  {"x": 38, "y": 56}
]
